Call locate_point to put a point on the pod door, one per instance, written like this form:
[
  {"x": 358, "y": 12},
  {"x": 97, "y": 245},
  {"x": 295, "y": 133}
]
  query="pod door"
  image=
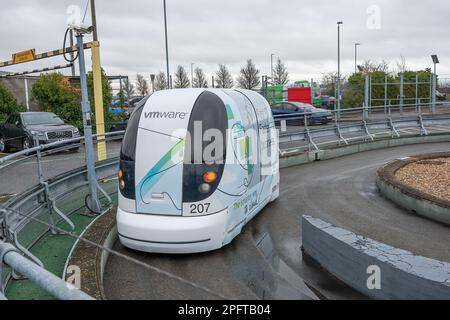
[{"x": 245, "y": 166}]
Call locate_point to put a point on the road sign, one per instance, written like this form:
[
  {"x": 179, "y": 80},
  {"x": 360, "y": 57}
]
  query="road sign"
[{"x": 24, "y": 56}]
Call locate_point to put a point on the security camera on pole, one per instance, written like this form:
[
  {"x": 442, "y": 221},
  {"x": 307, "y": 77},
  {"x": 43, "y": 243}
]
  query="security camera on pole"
[{"x": 92, "y": 200}]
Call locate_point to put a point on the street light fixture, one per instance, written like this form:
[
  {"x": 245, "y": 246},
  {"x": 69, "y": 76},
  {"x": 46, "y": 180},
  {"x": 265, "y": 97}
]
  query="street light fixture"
[
  {"x": 339, "y": 23},
  {"x": 356, "y": 56}
]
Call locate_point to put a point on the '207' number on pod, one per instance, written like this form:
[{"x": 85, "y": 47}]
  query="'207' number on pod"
[{"x": 200, "y": 208}]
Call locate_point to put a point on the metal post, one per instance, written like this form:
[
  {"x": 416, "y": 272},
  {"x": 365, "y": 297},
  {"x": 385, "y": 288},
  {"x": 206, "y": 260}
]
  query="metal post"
[
  {"x": 370, "y": 94},
  {"x": 385, "y": 92},
  {"x": 72, "y": 68},
  {"x": 213, "y": 83},
  {"x": 339, "y": 70},
  {"x": 312, "y": 91},
  {"x": 39, "y": 158},
  {"x": 120, "y": 84},
  {"x": 430, "y": 101},
  {"x": 89, "y": 145},
  {"x": 271, "y": 67},
  {"x": 402, "y": 78},
  {"x": 433, "y": 97},
  {"x": 192, "y": 74},
  {"x": 366, "y": 96},
  {"x": 152, "y": 79},
  {"x": 363, "y": 112},
  {"x": 43, "y": 278},
  {"x": 263, "y": 90},
  {"x": 305, "y": 120},
  {"x": 356, "y": 56},
  {"x": 94, "y": 20},
  {"x": 98, "y": 100},
  {"x": 26, "y": 94},
  {"x": 335, "y": 94},
  {"x": 417, "y": 91},
  {"x": 169, "y": 82}
]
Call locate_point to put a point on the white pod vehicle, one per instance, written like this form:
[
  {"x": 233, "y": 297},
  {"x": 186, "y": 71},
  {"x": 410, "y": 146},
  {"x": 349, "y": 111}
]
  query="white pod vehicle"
[{"x": 195, "y": 166}]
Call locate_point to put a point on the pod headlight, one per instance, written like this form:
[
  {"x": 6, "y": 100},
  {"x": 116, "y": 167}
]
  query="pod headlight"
[
  {"x": 121, "y": 181},
  {"x": 204, "y": 188}
]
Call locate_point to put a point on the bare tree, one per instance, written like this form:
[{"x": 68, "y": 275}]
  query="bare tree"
[
  {"x": 141, "y": 85},
  {"x": 223, "y": 77},
  {"x": 402, "y": 66},
  {"x": 181, "y": 78},
  {"x": 329, "y": 83},
  {"x": 249, "y": 76},
  {"x": 280, "y": 73},
  {"x": 372, "y": 66},
  {"x": 128, "y": 88},
  {"x": 160, "y": 81},
  {"x": 199, "y": 79}
]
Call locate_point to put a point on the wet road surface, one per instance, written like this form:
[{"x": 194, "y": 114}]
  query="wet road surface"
[{"x": 265, "y": 261}]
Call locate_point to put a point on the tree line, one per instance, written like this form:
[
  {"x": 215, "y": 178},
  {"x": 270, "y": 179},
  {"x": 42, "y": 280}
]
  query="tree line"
[
  {"x": 353, "y": 86},
  {"x": 249, "y": 78}
]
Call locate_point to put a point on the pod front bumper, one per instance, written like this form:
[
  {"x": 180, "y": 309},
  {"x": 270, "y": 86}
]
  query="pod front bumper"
[{"x": 171, "y": 234}]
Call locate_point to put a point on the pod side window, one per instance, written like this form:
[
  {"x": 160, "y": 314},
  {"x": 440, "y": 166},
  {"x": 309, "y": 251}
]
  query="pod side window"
[
  {"x": 205, "y": 151},
  {"x": 128, "y": 153}
]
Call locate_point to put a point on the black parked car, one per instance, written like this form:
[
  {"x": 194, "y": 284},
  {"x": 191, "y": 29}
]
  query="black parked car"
[
  {"x": 298, "y": 109},
  {"x": 20, "y": 129}
]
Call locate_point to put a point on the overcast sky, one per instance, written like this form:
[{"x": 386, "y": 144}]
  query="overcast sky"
[{"x": 208, "y": 32}]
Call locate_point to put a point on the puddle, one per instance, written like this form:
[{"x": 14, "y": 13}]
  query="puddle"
[{"x": 292, "y": 281}]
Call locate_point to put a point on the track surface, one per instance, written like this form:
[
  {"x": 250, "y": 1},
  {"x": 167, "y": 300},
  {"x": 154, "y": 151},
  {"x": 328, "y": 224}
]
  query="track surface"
[{"x": 265, "y": 261}]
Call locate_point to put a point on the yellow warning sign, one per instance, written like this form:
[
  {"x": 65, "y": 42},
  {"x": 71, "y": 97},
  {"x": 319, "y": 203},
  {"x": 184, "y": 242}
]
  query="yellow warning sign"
[{"x": 24, "y": 56}]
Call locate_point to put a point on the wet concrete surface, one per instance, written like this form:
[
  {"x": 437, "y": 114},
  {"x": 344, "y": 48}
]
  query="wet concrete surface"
[
  {"x": 265, "y": 260},
  {"x": 23, "y": 174}
]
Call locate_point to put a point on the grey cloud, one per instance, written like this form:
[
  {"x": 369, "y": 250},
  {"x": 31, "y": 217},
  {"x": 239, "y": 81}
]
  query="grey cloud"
[{"x": 208, "y": 32}]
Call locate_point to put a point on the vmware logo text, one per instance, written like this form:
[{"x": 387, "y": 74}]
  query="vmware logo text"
[{"x": 165, "y": 115}]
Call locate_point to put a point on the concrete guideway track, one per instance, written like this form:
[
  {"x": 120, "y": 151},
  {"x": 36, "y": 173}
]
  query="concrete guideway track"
[{"x": 265, "y": 261}]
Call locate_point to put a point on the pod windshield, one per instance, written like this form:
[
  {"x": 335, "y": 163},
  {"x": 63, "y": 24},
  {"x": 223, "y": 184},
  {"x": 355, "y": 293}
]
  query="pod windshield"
[{"x": 205, "y": 151}]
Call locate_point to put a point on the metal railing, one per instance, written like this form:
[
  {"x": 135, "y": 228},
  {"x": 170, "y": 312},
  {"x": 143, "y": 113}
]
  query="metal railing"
[
  {"x": 42, "y": 200},
  {"x": 10, "y": 256},
  {"x": 21, "y": 216},
  {"x": 360, "y": 125}
]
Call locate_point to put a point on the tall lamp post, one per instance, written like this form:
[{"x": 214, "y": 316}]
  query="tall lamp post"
[
  {"x": 152, "y": 79},
  {"x": 192, "y": 74},
  {"x": 356, "y": 56},
  {"x": 435, "y": 59},
  {"x": 339, "y": 23},
  {"x": 167, "y": 46},
  {"x": 271, "y": 67}
]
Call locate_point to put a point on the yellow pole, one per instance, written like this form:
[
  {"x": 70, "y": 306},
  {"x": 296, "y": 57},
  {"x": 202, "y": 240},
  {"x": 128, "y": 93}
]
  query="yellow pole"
[{"x": 98, "y": 98}]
